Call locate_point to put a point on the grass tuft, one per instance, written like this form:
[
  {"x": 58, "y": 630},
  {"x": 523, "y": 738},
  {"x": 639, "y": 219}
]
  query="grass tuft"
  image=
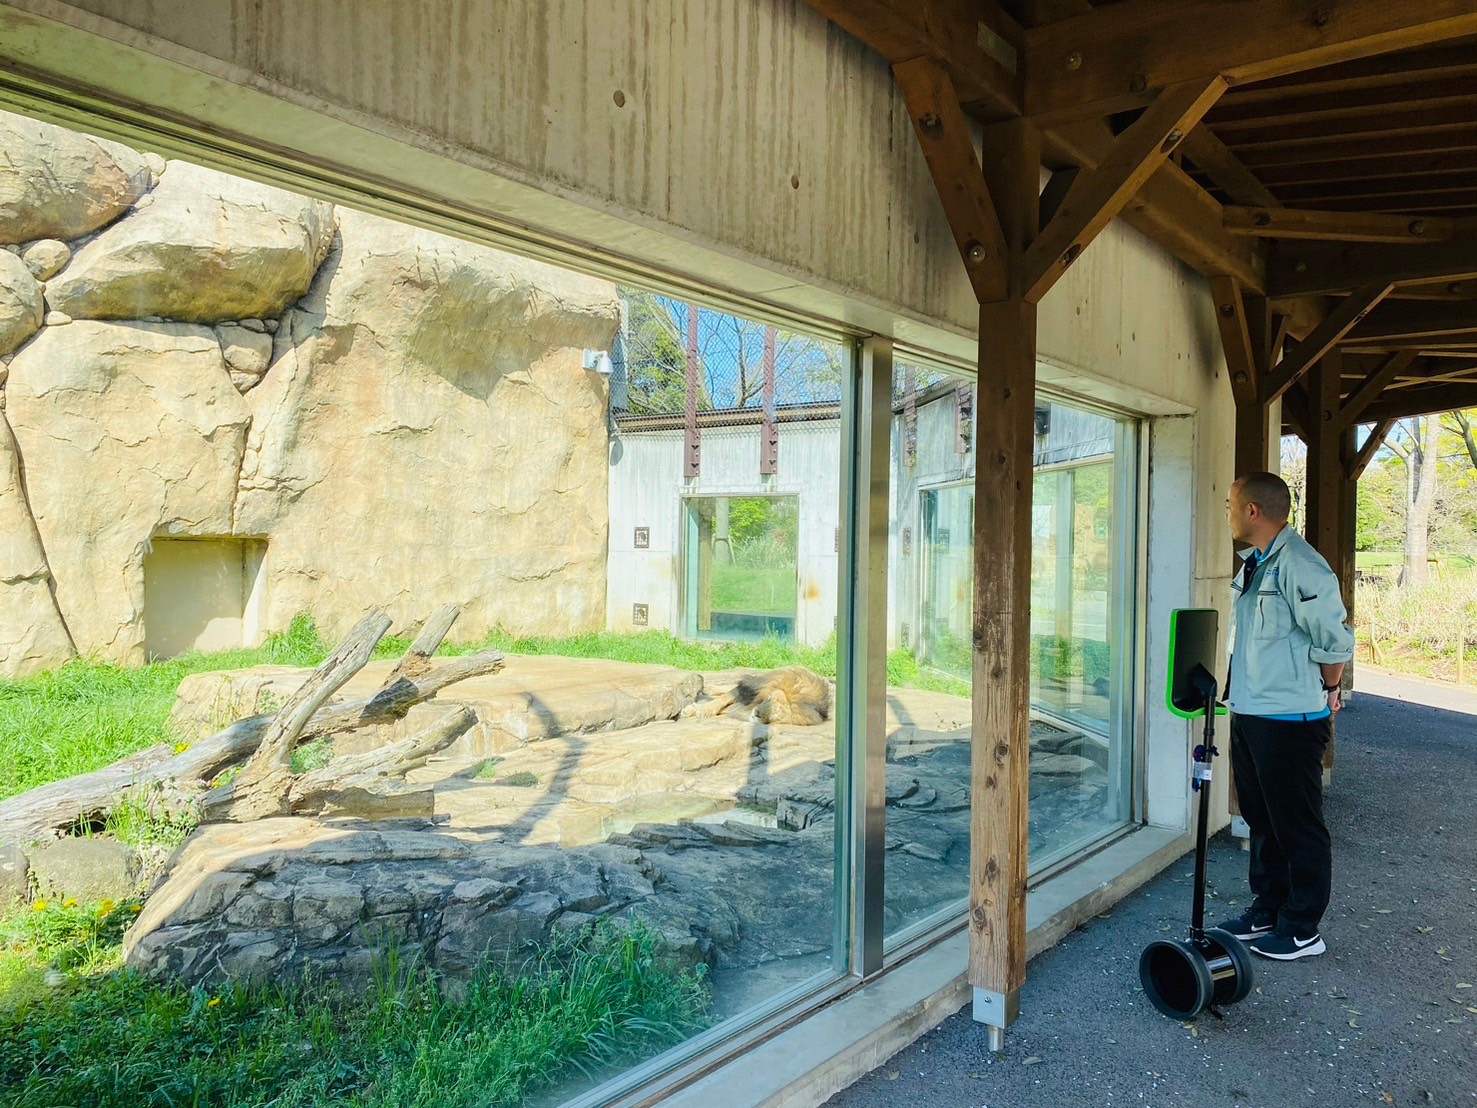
[{"x": 76, "y": 1029}]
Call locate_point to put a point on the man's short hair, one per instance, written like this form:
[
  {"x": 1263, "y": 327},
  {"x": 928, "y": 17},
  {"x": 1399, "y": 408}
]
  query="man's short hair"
[{"x": 1269, "y": 493}]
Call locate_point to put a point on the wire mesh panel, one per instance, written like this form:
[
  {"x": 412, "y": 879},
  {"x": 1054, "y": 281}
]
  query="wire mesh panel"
[{"x": 734, "y": 364}]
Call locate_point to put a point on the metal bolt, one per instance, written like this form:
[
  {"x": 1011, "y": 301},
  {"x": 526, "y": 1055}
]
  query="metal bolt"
[
  {"x": 1170, "y": 142},
  {"x": 1240, "y": 377},
  {"x": 1417, "y": 226},
  {"x": 1228, "y": 310},
  {"x": 930, "y": 123},
  {"x": 1071, "y": 254},
  {"x": 1262, "y": 219},
  {"x": 975, "y": 252},
  {"x": 1301, "y": 267},
  {"x": 1454, "y": 288},
  {"x": 1074, "y": 60},
  {"x": 1139, "y": 83},
  {"x": 1321, "y": 17}
]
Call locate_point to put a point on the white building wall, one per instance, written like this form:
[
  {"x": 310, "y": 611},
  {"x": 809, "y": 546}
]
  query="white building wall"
[{"x": 647, "y": 488}]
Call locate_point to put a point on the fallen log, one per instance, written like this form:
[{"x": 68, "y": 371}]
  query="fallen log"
[
  {"x": 176, "y": 780},
  {"x": 365, "y": 785}
]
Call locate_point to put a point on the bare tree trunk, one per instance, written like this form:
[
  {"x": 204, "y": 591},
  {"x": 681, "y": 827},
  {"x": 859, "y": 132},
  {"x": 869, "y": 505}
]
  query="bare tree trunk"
[{"x": 1421, "y": 493}]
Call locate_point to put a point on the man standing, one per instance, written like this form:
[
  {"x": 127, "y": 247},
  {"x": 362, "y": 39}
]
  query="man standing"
[{"x": 1289, "y": 644}]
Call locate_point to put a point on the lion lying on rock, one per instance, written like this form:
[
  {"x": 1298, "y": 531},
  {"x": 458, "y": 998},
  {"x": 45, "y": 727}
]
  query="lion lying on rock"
[{"x": 792, "y": 695}]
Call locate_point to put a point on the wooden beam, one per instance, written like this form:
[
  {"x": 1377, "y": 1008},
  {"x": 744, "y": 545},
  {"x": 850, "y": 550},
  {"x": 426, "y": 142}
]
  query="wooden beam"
[
  {"x": 1466, "y": 372},
  {"x": 1408, "y": 403},
  {"x": 1315, "y": 107},
  {"x": 1107, "y": 60},
  {"x": 1321, "y": 150},
  {"x": 1328, "y": 268},
  {"x": 1429, "y": 166},
  {"x": 1417, "y": 319},
  {"x": 1368, "y": 125},
  {"x": 1370, "y": 389},
  {"x": 1321, "y": 340},
  {"x": 1225, "y": 170},
  {"x": 1325, "y": 465},
  {"x": 975, "y": 42},
  {"x": 948, "y": 147},
  {"x": 1105, "y": 190},
  {"x": 1291, "y": 223},
  {"x": 1058, "y": 185},
  {"x": 1295, "y": 410},
  {"x": 1243, "y": 360},
  {"x": 1365, "y": 454}
]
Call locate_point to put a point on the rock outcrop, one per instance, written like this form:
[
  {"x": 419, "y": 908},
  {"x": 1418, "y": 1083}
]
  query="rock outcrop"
[
  {"x": 128, "y": 431},
  {"x": 21, "y": 305},
  {"x": 436, "y": 389},
  {"x": 207, "y": 248},
  {"x": 417, "y": 427},
  {"x": 32, "y": 635},
  {"x": 58, "y": 184}
]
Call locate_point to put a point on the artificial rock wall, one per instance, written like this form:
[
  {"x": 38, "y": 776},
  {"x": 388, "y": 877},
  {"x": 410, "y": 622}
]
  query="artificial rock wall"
[{"x": 403, "y": 417}]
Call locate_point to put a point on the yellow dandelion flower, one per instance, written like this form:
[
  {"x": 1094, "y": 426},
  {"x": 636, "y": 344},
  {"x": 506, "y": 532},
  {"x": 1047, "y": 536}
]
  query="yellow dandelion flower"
[
  {"x": 213, "y": 1002},
  {"x": 135, "y": 908},
  {"x": 39, "y": 906},
  {"x": 70, "y": 902},
  {"x": 107, "y": 906},
  {"x": 180, "y": 748}
]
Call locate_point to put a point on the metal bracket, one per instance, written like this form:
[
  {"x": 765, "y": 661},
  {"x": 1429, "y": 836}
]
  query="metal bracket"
[{"x": 998, "y": 1010}]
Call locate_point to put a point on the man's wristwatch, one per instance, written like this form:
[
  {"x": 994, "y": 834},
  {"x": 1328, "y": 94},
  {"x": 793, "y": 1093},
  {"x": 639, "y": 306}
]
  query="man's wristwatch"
[{"x": 1332, "y": 688}]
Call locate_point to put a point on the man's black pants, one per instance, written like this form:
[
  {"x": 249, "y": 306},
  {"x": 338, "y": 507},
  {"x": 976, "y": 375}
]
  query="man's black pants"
[{"x": 1278, "y": 769}]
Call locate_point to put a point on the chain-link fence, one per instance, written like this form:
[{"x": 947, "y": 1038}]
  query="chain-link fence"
[{"x": 670, "y": 351}]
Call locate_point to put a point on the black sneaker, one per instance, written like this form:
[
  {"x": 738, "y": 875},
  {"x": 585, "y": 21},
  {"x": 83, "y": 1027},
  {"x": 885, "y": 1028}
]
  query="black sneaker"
[
  {"x": 1251, "y": 924},
  {"x": 1288, "y": 943}
]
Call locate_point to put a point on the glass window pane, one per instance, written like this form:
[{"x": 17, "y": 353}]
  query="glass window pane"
[
  {"x": 632, "y": 500},
  {"x": 1082, "y": 542}
]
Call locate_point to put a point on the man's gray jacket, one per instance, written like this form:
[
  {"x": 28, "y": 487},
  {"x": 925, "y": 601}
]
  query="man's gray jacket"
[{"x": 1285, "y": 622}]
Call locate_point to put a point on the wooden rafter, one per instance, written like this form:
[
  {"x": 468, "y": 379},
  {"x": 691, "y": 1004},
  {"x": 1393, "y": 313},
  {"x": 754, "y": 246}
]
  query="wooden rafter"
[
  {"x": 1171, "y": 208},
  {"x": 1246, "y": 335},
  {"x": 1212, "y": 157},
  {"x": 1324, "y": 268},
  {"x": 948, "y": 148},
  {"x": 1290, "y": 223},
  {"x": 1466, "y": 372},
  {"x": 1243, "y": 361},
  {"x": 975, "y": 42},
  {"x": 1111, "y": 59},
  {"x": 1407, "y": 403},
  {"x": 1104, "y": 191},
  {"x": 1417, "y": 319},
  {"x": 1365, "y": 454},
  {"x": 1371, "y": 387},
  {"x": 1321, "y": 340}
]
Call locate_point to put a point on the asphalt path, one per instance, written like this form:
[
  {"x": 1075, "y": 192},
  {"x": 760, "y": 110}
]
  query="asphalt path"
[{"x": 1387, "y": 1016}]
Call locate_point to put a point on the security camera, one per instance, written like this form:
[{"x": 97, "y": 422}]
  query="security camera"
[{"x": 599, "y": 361}]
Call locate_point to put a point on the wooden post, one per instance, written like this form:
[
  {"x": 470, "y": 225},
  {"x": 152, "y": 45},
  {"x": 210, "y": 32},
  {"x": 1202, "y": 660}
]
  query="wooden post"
[
  {"x": 1348, "y": 536},
  {"x": 1326, "y": 474},
  {"x": 1005, "y": 421},
  {"x": 692, "y": 448}
]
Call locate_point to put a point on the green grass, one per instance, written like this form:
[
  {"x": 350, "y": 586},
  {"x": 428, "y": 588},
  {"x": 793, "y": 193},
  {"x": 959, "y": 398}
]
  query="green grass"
[
  {"x": 75, "y": 1029},
  {"x": 87, "y": 715},
  {"x": 1394, "y": 559},
  {"x": 762, "y": 590}
]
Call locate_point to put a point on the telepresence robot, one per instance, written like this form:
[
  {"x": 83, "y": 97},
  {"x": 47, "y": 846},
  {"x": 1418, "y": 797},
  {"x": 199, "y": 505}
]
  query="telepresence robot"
[{"x": 1184, "y": 977}]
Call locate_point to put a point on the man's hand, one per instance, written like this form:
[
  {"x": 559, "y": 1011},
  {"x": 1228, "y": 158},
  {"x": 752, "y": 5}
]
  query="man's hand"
[{"x": 1335, "y": 700}]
